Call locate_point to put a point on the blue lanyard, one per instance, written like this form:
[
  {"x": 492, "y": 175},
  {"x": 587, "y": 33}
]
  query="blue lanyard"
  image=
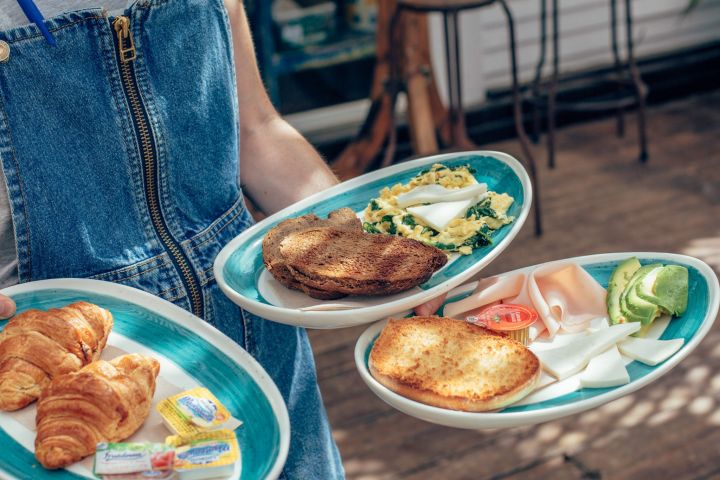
[{"x": 33, "y": 14}]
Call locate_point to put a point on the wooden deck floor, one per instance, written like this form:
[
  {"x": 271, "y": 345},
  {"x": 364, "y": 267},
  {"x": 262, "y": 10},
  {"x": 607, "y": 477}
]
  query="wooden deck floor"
[{"x": 598, "y": 199}]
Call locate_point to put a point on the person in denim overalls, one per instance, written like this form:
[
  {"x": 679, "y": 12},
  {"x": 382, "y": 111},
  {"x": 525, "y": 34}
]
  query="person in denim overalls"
[{"x": 120, "y": 151}]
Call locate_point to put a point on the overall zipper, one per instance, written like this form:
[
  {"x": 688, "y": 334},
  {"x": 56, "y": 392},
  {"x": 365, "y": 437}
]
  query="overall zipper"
[{"x": 126, "y": 55}]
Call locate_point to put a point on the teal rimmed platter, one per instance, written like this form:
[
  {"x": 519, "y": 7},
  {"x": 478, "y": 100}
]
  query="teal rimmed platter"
[
  {"x": 566, "y": 398},
  {"x": 191, "y": 353},
  {"x": 241, "y": 275}
]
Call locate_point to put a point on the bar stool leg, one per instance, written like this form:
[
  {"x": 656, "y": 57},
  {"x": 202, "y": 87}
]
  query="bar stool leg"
[
  {"x": 535, "y": 137},
  {"x": 640, "y": 87},
  {"x": 453, "y": 76},
  {"x": 518, "y": 115},
  {"x": 394, "y": 88},
  {"x": 618, "y": 65},
  {"x": 552, "y": 90}
]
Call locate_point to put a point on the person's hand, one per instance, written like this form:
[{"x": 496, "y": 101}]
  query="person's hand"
[
  {"x": 430, "y": 307},
  {"x": 7, "y": 307}
]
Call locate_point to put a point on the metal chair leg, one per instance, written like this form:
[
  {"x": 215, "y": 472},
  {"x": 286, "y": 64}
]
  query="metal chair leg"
[
  {"x": 619, "y": 70},
  {"x": 452, "y": 65},
  {"x": 640, "y": 87},
  {"x": 552, "y": 90},
  {"x": 518, "y": 115},
  {"x": 535, "y": 137}
]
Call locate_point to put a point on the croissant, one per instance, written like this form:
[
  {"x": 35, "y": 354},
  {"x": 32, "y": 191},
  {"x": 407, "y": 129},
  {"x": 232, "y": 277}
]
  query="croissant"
[
  {"x": 102, "y": 402},
  {"x": 36, "y": 346}
]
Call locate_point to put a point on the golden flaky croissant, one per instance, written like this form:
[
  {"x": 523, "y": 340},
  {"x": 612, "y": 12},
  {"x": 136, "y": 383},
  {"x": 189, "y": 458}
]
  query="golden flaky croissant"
[
  {"x": 37, "y": 346},
  {"x": 103, "y": 402}
]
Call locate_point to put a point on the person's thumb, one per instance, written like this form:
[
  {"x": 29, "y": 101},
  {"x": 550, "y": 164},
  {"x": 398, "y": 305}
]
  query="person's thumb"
[
  {"x": 430, "y": 307},
  {"x": 7, "y": 307}
]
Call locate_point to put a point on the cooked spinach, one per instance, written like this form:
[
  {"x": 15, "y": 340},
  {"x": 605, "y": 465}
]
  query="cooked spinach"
[
  {"x": 428, "y": 229},
  {"x": 481, "y": 209},
  {"x": 370, "y": 228},
  {"x": 443, "y": 167},
  {"x": 392, "y": 229},
  {"x": 428, "y": 170},
  {"x": 446, "y": 246},
  {"x": 374, "y": 206},
  {"x": 409, "y": 221},
  {"x": 480, "y": 239}
]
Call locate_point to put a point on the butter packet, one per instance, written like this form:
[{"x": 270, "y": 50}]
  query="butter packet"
[
  {"x": 195, "y": 411},
  {"x": 125, "y": 458},
  {"x": 205, "y": 455},
  {"x": 149, "y": 475}
]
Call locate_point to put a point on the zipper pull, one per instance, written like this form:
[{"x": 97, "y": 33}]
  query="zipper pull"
[{"x": 122, "y": 29}]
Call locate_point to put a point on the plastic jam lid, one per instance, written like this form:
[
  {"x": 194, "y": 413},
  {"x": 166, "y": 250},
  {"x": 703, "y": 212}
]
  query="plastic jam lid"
[{"x": 504, "y": 317}]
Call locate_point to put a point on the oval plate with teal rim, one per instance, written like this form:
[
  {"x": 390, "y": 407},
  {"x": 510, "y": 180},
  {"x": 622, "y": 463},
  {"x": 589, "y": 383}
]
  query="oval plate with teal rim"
[
  {"x": 242, "y": 276},
  {"x": 703, "y": 302},
  {"x": 191, "y": 353}
]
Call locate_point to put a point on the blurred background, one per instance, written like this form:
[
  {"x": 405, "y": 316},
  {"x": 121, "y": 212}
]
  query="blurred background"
[{"x": 616, "y": 110}]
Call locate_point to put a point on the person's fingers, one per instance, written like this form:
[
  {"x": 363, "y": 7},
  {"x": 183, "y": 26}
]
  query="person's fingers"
[
  {"x": 7, "y": 307},
  {"x": 430, "y": 307}
]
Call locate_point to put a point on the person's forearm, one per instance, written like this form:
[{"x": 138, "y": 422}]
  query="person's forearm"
[{"x": 279, "y": 167}]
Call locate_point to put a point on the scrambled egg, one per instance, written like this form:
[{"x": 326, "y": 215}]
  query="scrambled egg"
[{"x": 462, "y": 235}]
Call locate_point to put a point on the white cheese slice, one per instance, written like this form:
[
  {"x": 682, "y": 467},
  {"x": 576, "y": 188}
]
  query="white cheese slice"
[
  {"x": 648, "y": 351},
  {"x": 605, "y": 370},
  {"x": 437, "y": 193},
  {"x": 439, "y": 215},
  {"x": 570, "y": 359}
]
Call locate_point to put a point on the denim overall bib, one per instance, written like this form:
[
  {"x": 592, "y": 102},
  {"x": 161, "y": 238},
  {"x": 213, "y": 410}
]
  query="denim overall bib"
[{"x": 120, "y": 151}]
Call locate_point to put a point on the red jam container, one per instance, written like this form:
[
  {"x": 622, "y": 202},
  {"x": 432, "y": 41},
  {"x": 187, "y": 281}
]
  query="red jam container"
[{"x": 511, "y": 319}]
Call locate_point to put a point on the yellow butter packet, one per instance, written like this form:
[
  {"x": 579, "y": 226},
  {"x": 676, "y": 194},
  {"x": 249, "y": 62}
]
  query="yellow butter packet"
[
  {"x": 205, "y": 455},
  {"x": 195, "y": 411}
]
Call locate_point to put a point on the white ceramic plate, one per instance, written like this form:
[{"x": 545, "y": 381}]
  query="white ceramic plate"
[
  {"x": 240, "y": 272},
  {"x": 558, "y": 400},
  {"x": 191, "y": 353}
]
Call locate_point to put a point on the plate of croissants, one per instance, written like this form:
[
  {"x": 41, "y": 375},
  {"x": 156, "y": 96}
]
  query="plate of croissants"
[{"x": 85, "y": 361}]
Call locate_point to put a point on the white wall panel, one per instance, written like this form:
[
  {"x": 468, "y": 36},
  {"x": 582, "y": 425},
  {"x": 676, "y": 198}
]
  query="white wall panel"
[{"x": 659, "y": 25}]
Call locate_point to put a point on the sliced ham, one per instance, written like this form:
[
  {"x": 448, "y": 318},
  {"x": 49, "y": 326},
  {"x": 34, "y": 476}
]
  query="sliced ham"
[{"x": 565, "y": 296}]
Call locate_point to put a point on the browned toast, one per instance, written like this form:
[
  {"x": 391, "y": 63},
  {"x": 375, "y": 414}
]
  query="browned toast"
[
  {"x": 452, "y": 364},
  {"x": 358, "y": 263},
  {"x": 343, "y": 218}
]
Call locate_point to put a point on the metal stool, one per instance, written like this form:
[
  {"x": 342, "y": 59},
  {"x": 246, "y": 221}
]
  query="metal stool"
[
  {"x": 621, "y": 101},
  {"x": 450, "y": 10}
]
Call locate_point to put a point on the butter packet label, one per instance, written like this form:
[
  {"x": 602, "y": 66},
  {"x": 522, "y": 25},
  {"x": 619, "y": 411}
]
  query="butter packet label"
[
  {"x": 125, "y": 458},
  {"x": 149, "y": 475},
  {"x": 195, "y": 411},
  {"x": 208, "y": 452}
]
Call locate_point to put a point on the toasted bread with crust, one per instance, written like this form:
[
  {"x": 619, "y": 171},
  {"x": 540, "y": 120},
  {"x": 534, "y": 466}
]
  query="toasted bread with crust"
[
  {"x": 357, "y": 263},
  {"x": 452, "y": 364},
  {"x": 343, "y": 218}
]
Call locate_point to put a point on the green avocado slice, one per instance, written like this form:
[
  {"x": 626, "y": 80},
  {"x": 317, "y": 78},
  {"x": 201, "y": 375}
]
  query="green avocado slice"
[
  {"x": 667, "y": 288},
  {"x": 618, "y": 281},
  {"x": 632, "y": 306}
]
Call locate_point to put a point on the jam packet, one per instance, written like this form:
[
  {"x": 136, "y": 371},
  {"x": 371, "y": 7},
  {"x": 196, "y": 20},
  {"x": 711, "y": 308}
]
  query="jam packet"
[
  {"x": 205, "y": 455},
  {"x": 127, "y": 458},
  {"x": 195, "y": 411}
]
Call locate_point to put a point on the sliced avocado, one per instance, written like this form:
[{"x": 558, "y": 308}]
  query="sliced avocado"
[
  {"x": 668, "y": 288},
  {"x": 618, "y": 281},
  {"x": 633, "y": 307}
]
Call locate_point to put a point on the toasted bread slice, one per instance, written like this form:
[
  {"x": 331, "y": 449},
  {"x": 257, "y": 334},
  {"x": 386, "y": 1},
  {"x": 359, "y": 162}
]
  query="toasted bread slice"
[
  {"x": 452, "y": 364},
  {"x": 359, "y": 263},
  {"x": 343, "y": 218}
]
